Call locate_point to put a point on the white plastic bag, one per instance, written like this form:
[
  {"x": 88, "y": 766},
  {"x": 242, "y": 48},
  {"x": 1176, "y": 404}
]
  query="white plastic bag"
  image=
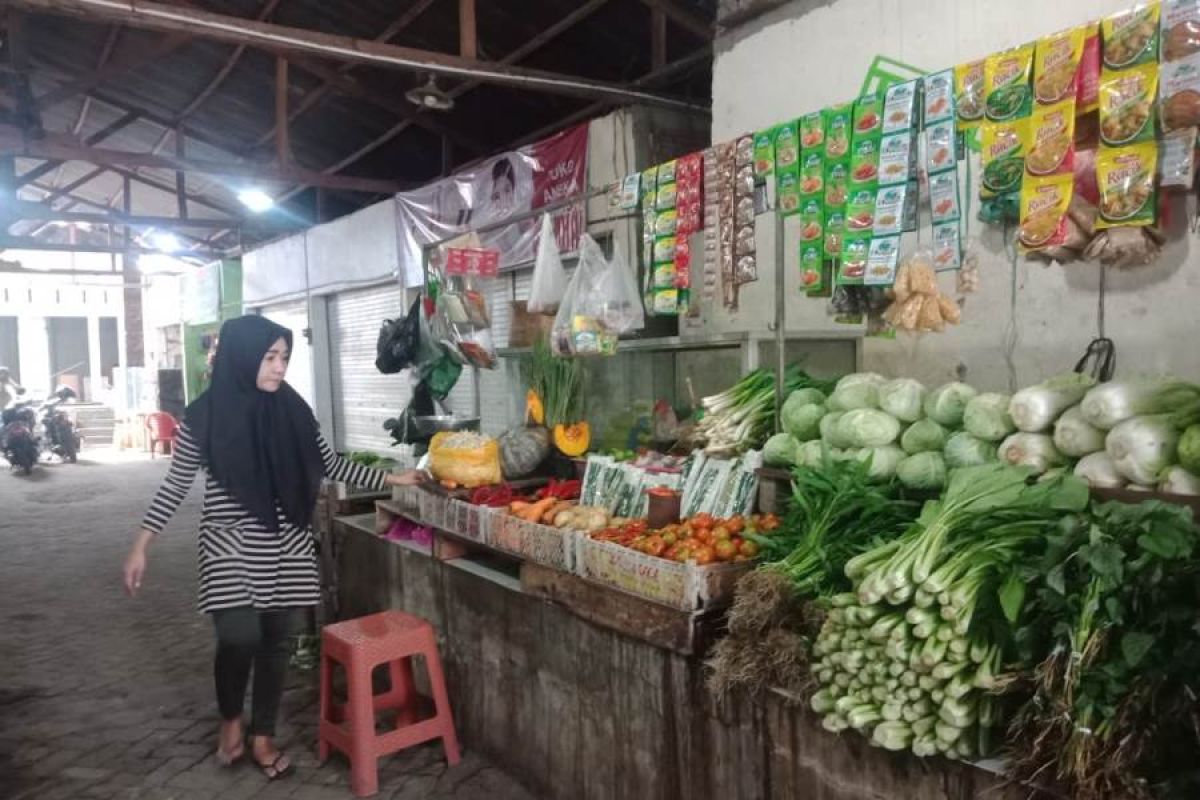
[
  {"x": 601, "y": 302},
  {"x": 549, "y": 277}
]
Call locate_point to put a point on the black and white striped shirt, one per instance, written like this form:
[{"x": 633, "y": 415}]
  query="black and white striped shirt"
[{"x": 241, "y": 562}]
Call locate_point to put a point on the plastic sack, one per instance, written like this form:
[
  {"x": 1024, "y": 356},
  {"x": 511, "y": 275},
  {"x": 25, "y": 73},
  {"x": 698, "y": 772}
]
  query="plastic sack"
[
  {"x": 549, "y": 277},
  {"x": 468, "y": 459},
  {"x": 602, "y": 301},
  {"x": 398, "y": 345}
]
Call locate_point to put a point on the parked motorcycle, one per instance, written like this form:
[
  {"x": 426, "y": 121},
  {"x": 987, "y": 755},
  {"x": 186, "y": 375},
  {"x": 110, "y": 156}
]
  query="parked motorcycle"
[
  {"x": 18, "y": 439},
  {"x": 60, "y": 438}
]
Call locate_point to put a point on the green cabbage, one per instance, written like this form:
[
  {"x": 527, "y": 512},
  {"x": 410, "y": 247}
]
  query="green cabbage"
[
  {"x": 922, "y": 471},
  {"x": 1177, "y": 480},
  {"x": 811, "y": 454},
  {"x": 964, "y": 450},
  {"x": 945, "y": 405},
  {"x": 883, "y": 460},
  {"x": 1099, "y": 470},
  {"x": 1189, "y": 449},
  {"x": 1074, "y": 436},
  {"x": 1142, "y": 447},
  {"x": 867, "y": 427},
  {"x": 781, "y": 450},
  {"x": 829, "y": 430},
  {"x": 922, "y": 436},
  {"x": 857, "y": 390},
  {"x": 902, "y": 398},
  {"x": 986, "y": 417},
  {"x": 807, "y": 396},
  {"x": 1034, "y": 409},
  {"x": 802, "y": 420},
  {"x": 1033, "y": 450}
]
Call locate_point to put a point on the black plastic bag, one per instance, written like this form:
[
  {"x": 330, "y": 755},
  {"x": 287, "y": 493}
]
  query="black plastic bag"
[
  {"x": 396, "y": 348},
  {"x": 403, "y": 428}
]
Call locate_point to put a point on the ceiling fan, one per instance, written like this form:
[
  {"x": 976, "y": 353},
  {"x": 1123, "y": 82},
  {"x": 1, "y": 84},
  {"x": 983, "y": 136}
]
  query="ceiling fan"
[{"x": 429, "y": 95}]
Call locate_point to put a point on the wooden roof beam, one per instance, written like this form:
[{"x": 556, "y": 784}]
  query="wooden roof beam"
[
  {"x": 108, "y": 130},
  {"x": 193, "y": 21},
  {"x": 690, "y": 21}
]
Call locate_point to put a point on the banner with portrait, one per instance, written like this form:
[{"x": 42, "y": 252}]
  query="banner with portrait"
[{"x": 500, "y": 187}]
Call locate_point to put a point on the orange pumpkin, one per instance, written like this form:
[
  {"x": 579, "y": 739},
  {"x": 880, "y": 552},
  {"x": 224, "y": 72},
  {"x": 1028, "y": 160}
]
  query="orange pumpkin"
[{"x": 573, "y": 440}]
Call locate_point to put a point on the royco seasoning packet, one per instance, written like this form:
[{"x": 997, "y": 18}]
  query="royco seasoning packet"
[
  {"x": 900, "y": 107},
  {"x": 855, "y": 251},
  {"x": 1180, "y": 106},
  {"x": 868, "y": 116},
  {"x": 812, "y": 222},
  {"x": 889, "y": 210},
  {"x": 1006, "y": 83},
  {"x": 969, "y": 93},
  {"x": 835, "y": 231},
  {"x": 947, "y": 246},
  {"x": 787, "y": 191},
  {"x": 860, "y": 209},
  {"x": 939, "y": 96},
  {"x": 837, "y": 183},
  {"x": 812, "y": 131},
  {"x": 1126, "y": 180},
  {"x": 1180, "y": 30},
  {"x": 864, "y": 161},
  {"x": 812, "y": 173},
  {"x": 1131, "y": 37},
  {"x": 838, "y": 120},
  {"x": 1044, "y": 202},
  {"x": 764, "y": 153},
  {"x": 1056, "y": 61},
  {"x": 1127, "y": 104},
  {"x": 883, "y": 255},
  {"x": 811, "y": 263},
  {"x": 896, "y": 158},
  {"x": 939, "y": 147},
  {"x": 1052, "y": 139},
  {"x": 787, "y": 145},
  {"x": 1002, "y": 153}
]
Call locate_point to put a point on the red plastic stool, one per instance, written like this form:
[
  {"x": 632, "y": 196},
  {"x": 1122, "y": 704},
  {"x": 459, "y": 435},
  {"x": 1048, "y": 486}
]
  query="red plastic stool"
[{"x": 360, "y": 645}]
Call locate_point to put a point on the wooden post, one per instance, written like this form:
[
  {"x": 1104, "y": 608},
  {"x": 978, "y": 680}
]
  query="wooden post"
[
  {"x": 658, "y": 38},
  {"x": 467, "y": 39},
  {"x": 282, "y": 145},
  {"x": 180, "y": 175}
]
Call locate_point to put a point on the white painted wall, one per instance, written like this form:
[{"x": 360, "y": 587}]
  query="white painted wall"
[
  {"x": 811, "y": 53},
  {"x": 31, "y": 298}
]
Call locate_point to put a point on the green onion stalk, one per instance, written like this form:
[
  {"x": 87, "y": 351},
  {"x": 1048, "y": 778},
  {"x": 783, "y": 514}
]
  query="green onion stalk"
[{"x": 743, "y": 416}]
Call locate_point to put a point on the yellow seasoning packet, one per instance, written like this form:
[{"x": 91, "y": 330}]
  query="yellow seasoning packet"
[
  {"x": 1125, "y": 176},
  {"x": 1002, "y": 151},
  {"x": 1044, "y": 202},
  {"x": 968, "y": 93},
  {"x": 1056, "y": 61},
  {"x": 1131, "y": 37},
  {"x": 1127, "y": 104},
  {"x": 1052, "y": 139},
  {"x": 1006, "y": 75}
]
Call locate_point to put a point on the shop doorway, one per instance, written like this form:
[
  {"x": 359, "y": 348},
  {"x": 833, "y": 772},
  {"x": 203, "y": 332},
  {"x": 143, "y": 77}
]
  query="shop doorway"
[
  {"x": 10, "y": 346},
  {"x": 69, "y": 355}
]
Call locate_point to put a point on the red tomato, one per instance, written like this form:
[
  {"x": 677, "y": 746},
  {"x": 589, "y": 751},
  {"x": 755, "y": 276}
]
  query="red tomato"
[
  {"x": 702, "y": 520},
  {"x": 705, "y": 536},
  {"x": 704, "y": 555},
  {"x": 721, "y": 532},
  {"x": 736, "y": 524},
  {"x": 725, "y": 550},
  {"x": 748, "y": 549},
  {"x": 654, "y": 546},
  {"x": 669, "y": 539}
]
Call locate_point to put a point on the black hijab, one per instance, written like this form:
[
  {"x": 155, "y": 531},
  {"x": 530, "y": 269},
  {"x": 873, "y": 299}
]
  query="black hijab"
[{"x": 261, "y": 447}]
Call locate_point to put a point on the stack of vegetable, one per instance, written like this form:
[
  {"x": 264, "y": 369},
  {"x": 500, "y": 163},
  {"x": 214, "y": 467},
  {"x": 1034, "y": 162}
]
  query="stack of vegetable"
[
  {"x": 743, "y": 416},
  {"x": 555, "y": 398},
  {"x": 701, "y": 539},
  {"x": 908, "y": 657},
  {"x": 1141, "y": 434}
]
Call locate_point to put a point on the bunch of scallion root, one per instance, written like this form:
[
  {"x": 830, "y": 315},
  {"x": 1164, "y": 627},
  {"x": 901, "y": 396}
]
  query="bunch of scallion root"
[{"x": 910, "y": 657}]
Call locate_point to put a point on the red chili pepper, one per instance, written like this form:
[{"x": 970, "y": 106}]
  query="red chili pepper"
[{"x": 493, "y": 496}]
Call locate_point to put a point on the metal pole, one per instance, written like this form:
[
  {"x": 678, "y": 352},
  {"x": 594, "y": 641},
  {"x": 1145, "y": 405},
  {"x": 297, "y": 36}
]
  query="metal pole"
[{"x": 780, "y": 318}]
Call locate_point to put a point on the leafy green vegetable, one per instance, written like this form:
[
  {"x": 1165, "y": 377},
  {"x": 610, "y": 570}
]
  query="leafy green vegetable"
[
  {"x": 922, "y": 471},
  {"x": 986, "y": 417},
  {"x": 946, "y": 404},
  {"x": 781, "y": 450},
  {"x": 801, "y": 419},
  {"x": 902, "y": 398},
  {"x": 867, "y": 427},
  {"x": 857, "y": 390},
  {"x": 923, "y": 436},
  {"x": 1189, "y": 449},
  {"x": 1035, "y": 408},
  {"x": 1142, "y": 447},
  {"x": 1074, "y": 436},
  {"x": 965, "y": 450},
  {"x": 1033, "y": 450}
]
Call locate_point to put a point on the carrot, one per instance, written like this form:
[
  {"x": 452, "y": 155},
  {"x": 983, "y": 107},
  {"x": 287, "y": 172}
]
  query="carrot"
[{"x": 534, "y": 512}]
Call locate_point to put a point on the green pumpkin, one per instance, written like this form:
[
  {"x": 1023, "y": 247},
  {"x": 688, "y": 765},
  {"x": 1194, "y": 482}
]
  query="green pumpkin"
[{"x": 522, "y": 450}]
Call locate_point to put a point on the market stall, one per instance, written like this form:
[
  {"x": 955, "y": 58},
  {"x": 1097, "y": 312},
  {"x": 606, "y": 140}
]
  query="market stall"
[{"x": 733, "y": 540}]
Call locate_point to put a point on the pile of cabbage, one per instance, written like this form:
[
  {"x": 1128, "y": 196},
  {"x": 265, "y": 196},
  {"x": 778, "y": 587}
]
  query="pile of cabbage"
[{"x": 1143, "y": 435}]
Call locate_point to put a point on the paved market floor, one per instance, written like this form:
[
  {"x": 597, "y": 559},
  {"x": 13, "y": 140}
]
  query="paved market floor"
[{"x": 104, "y": 697}]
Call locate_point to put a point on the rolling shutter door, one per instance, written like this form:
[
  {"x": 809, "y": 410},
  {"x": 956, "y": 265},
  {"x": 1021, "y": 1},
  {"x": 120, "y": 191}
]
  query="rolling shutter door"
[
  {"x": 294, "y": 315},
  {"x": 363, "y": 397}
]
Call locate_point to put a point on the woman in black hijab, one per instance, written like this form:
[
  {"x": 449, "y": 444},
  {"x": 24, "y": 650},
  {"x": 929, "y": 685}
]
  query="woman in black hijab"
[{"x": 264, "y": 459}]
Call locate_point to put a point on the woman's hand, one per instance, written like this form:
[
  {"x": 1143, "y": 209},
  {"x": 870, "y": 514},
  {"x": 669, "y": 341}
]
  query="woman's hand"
[
  {"x": 412, "y": 477},
  {"x": 135, "y": 564}
]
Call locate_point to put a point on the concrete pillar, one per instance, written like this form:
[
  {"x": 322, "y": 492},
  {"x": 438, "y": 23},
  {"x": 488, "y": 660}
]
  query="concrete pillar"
[
  {"x": 33, "y": 335},
  {"x": 95, "y": 373},
  {"x": 135, "y": 349}
]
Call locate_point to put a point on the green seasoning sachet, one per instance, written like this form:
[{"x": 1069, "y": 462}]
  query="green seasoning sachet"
[
  {"x": 868, "y": 116},
  {"x": 837, "y": 130},
  {"x": 787, "y": 145},
  {"x": 764, "y": 153}
]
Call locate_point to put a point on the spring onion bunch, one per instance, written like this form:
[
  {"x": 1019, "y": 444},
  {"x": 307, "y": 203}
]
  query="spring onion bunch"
[
  {"x": 907, "y": 658},
  {"x": 743, "y": 416}
]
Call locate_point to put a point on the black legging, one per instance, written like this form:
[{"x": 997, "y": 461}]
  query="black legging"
[{"x": 245, "y": 637}]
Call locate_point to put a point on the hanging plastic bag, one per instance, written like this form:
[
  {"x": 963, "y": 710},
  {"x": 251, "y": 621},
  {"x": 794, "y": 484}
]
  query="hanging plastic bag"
[
  {"x": 549, "y": 277},
  {"x": 601, "y": 302},
  {"x": 398, "y": 344}
]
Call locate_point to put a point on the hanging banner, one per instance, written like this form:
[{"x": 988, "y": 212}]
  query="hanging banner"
[{"x": 494, "y": 190}]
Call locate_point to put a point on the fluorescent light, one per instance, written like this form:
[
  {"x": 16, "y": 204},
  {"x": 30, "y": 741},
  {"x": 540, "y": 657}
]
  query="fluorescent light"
[
  {"x": 256, "y": 200},
  {"x": 165, "y": 241}
]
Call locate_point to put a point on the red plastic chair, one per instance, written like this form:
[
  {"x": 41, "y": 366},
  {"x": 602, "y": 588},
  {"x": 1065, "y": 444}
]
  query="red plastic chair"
[
  {"x": 162, "y": 428},
  {"x": 360, "y": 645}
]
